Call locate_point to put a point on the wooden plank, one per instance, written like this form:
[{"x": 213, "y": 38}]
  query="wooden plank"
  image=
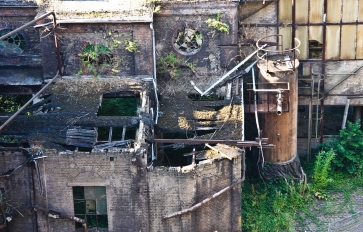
[
  {"x": 332, "y": 44},
  {"x": 113, "y": 144},
  {"x": 348, "y": 42},
  {"x": 349, "y": 11},
  {"x": 316, "y": 11},
  {"x": 219, "y": 152},
  {"x": 302, "y": 35},
  {"x": 334, "y": 11},
  {"x": 302, "y": 12},
  {"x": 285, "y": 12},
  {"x": 81, "y": 137},
  {"x": 360, "y": 10},
  {"x": 359, "y": 49}
]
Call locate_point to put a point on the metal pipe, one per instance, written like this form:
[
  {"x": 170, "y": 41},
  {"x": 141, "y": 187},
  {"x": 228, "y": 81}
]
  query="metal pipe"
[
  {"x": 25, "y": 26},
  {"x": 95, "y": 21},
  {"x": 233, "y": 69},
  {"x": 279, "y": 104},
  {"x": 55, "y": 35},
  {"x": 243, "y": 112},
  {"x": 154, "y": 79},
  {"x": 198, "y": 205},
  {"x": 30, "y": 101}
]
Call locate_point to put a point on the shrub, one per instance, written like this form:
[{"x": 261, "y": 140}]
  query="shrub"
[{"x": 348, "y": 147}]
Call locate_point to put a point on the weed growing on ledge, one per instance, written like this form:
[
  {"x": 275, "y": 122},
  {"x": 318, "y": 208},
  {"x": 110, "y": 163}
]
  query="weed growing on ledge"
[
  {"x": 217, "y": 24},
  {"x": 170, "y": 65}
]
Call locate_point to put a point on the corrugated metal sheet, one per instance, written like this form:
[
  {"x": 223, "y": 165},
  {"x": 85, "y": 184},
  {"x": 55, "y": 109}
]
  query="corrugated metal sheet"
[
  {"x": 302, "y": 35},
  {"x": 316, "y": 33},
  {"x": 334, "y": 11},
  {"x": 285, "y": 12},
  {"x": 360, "y": 10},
  {"x": 348, "y": 42},
  {"x": 286, "y": 36},
  {"x": 359, "y": 49},
  {"x": 316, "y": 11},
  {"x": 302, "y": 11},
  {"x": 349, "y": 11},
  {"x": 332, "y": 44}
]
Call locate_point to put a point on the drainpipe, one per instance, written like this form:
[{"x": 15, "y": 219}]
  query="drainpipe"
[{"x": 154, "y": 79}]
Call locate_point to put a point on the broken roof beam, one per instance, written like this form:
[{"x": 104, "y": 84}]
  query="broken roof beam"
[
  {"x": 237, "y": 143},
  {"x": 30, "y": 101},
  {"x": 108, "y": 121}
]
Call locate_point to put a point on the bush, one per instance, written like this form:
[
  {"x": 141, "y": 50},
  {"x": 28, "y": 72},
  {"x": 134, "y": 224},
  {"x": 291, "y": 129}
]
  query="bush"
[{"x": 348, "y": 147}]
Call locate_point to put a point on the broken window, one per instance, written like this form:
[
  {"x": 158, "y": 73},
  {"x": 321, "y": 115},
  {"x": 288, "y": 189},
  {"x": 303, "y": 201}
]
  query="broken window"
[
  {"x": 12, "y": 103},
  {"x": 13, "y": 45},
  {"x": 116, "y": 133},
  {"x": 187, "y": 41},
  {"x": 90, "y": 203},
  {"x": 315, "y": 49},
  {"x": 117, "y": 106}
]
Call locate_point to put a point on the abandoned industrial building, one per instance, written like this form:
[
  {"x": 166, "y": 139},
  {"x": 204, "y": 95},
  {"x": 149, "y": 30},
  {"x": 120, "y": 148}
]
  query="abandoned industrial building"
[{"x": 135, "y": 115}]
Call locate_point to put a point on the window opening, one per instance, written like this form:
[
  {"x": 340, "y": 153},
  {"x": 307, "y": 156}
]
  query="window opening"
[
  {"x": 12, "y": 103},
  {"x": 187, "y": 41},
  {"x": 315, "y": 49},
  {"x": 122, "y": 106},
  {"x": 116, "y": 133},
  {"x": 90, "y": 203},
  {"x": 13, "y": 45}
]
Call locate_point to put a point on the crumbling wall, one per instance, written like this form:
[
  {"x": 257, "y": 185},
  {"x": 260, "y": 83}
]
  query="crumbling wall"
[
  {"x": 172, "y": 190},
  {"x": 136, "y": 199},
  {"x": 18, "y": 189},
  {"x": 74, "y": 38}
]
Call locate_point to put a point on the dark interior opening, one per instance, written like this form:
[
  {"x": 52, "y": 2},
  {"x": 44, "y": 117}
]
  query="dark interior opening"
[
  {"x": 315, "y": 49},
  {"x": 118, "y": 106}
]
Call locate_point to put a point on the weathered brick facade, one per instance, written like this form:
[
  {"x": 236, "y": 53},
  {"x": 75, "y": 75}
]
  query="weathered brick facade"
[{"x": 137, "y": 199}]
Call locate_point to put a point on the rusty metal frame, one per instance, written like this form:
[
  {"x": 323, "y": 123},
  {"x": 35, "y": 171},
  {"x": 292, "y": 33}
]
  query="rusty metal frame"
[
  {"x": 237, "y": 143},
  {"x": 269, "y": 52},
  {"x": 55, "y": 35}
]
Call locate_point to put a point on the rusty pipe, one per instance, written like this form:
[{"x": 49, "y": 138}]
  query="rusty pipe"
[
  {"x": 55, "y": 35},
  {"x": 26, "y": 104}
]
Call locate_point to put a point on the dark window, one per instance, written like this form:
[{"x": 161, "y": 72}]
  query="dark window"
[
  {"x": 315, "y": 49},
  {"x": 90, "y": 204},
  {"x": 13, "y": 45}
]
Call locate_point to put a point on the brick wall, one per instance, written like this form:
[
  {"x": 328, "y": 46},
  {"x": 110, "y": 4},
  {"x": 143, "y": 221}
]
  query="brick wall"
[{"x": 136, "y": 199}]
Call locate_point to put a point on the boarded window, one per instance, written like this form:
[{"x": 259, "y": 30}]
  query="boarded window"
[{"x": 90, "y": 203}]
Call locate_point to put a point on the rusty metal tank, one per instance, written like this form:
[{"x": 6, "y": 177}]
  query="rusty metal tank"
[{"x": 278, "y": 89}]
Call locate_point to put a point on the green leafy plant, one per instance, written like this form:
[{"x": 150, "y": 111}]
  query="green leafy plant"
[
  {"x": 94, "y": 58},
  {"x": 349, "y": 148},
  {"x": 131, "y": 46},
  {"x": 217, "y": 24},
  {"x": 321, "y": 173},
  {"x": 170, "y": 65}
]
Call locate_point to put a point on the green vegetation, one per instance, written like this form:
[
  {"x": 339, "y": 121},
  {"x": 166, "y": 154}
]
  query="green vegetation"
[
  {"x": 125, "y": 106},
  {"x": 169, "y": 65},
  {"x": 217, "y": 24},
  {"x": 12, "y": 103},
  {"x": 99, "y": 59},
  {"x": 336, "y": 168}
]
